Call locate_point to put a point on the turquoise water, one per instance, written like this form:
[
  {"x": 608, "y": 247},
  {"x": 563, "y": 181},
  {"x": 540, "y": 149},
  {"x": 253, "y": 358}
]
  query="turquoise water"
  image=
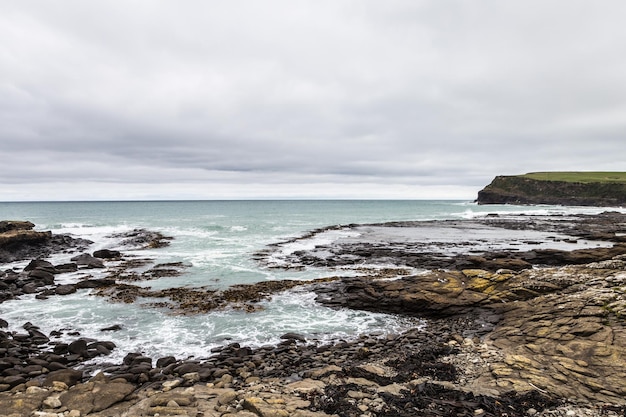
[{"x": 216, "y": 239}]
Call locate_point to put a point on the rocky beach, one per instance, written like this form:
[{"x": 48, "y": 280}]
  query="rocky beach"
[{"x": 515, "y": 315}]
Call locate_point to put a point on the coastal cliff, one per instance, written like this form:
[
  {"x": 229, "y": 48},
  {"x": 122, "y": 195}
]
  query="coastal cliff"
[{"x": 560, "y": 188}]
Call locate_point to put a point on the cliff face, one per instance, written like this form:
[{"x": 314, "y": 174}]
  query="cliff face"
[{"x": 522, "y": 190}]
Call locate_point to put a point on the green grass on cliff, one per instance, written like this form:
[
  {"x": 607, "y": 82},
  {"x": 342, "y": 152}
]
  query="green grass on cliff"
[{"x": 582, "y": 177}]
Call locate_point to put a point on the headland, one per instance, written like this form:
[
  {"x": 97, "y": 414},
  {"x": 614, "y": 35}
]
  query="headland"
[{"x": 602, "y": 189}]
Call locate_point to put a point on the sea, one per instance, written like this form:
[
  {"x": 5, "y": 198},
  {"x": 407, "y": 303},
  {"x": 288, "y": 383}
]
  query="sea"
[{"x": 217, "y": 241}]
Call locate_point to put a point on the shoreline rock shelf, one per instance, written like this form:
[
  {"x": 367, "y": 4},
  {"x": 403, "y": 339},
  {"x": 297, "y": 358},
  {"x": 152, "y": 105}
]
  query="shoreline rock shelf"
[{"x": 539, "y": 331}]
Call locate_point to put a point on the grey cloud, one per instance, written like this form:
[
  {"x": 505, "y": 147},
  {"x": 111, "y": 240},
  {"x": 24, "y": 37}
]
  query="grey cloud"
[{"x": 400, "y": 92}]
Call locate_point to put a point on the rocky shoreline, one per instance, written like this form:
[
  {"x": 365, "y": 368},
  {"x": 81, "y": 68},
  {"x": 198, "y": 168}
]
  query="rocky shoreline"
[{"x": 514, "y": 327}]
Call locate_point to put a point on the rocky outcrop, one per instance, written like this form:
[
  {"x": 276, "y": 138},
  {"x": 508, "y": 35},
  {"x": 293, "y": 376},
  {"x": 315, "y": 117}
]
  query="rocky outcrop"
[
  {"x": 523, "y": 190},
  {"x": 559, "y": 330},
  {"x": 18, "y": 242},
  {"x": 17, "y": 237}
]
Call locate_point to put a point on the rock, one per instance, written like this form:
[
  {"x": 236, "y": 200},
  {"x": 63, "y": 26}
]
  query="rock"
[
  {"x": 9, "y": 225},
  {"x": 306, "y": 386},
  {"x": 293, "y": 336},
  {"x": 95, "y": 396},
  {"x": 78, "y": 347},
  {"x": 46, "y": 277},
  {"x": 112, "y": 328},
  {"x": 38, "y": 264},
  {"x": 88, "y": 261},
  {"x": 165, "y": 361},
  {"x": 95, "y": 283},
  {"x": 65, "y": 289},
  {"x": 143, "y": 239},
  {"x": 67, "y": 267},
  {"x": 168, "y": 385},
  {"x": 227, "y": 397},
  {"x": 107, "y": 254},
  {"x": 52, "y": 402},
  {"x": 21, "y": 404},
  {"x": 69, "y": 377}
]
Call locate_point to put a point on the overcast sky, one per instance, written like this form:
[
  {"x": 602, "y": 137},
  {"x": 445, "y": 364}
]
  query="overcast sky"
[{"x": 297, "y": 99}]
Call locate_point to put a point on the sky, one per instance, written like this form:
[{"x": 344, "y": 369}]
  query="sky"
[{"x": 394, "y": 99}]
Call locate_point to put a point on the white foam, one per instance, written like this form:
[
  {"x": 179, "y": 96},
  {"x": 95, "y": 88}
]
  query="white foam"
[{"x": 278, "y": 257}]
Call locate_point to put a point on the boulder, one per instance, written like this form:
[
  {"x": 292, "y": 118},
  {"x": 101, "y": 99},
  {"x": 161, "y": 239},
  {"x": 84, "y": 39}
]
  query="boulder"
[
  {"x": 107, "y": 254},
  {"x": 88, "y": 261},
  {"x": 45, "y": 276},
  {"x": 38, "y": 264},
  {"x": 65, "y": 289},
  {"x": 95, "y": 283},
  {"x": 69, "y": 377},
  {"x": 96, "y": 395},
  {"x": 293, "y": 336},
  {"x": 8, "y": 225}
]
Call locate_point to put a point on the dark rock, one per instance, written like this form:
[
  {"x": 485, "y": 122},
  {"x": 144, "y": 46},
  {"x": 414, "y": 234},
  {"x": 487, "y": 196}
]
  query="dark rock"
[
  {"x": 61, "y": 348},
  {"x": 165, "y": 361},
  {"x": 32, "y": 287},
  {"x": 113, "y": 328},
  {"x": 186, "y": 368},
  {"x": 95, "y": 283},
  {"x": 18, "y": 242},
  {"x": 293, "y": 336},
  {"x": 107, "y": 254},
  {"x": 78, "y": 347},
  {"x": 8, "y": 225},
  {"x": 108, "y": 345},
  {"x": 88, "y": 261},
  {"x": 65, "y": 289},
  {"x": 55, "y": 366},
  {"x": 141, "y": 360},
  {"x": 38, "y": 337},
  {"x": 143, "y": 239},
  {"x": 14, "y": 380},
  {"x": 68, "y": 267},
  {"x": 38, "y": 264}
]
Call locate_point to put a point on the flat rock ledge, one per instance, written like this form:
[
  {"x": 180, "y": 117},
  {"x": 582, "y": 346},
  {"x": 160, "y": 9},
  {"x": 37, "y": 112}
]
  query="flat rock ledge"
[{"x": 558, "y": 330}]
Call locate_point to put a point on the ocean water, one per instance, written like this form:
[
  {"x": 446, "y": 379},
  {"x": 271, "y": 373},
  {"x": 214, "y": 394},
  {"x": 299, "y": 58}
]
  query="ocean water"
[{"x": 217, "y": 240}]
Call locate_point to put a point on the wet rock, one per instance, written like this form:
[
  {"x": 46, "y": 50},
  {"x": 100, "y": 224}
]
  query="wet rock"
[
  {"x": 38, "y": 264},
  {"x": 94, "y": 283},
  {"x": 107, "y": 254},
  {"x": 165, "y": 361},
  {"x": 293, "y": 336},
  {"x": 67, "y": 267},
  {"x": 88, "y": 261},
  {"x": 78, "y": 347},
  {"x": 65, "y": 289},
  {"x": 143, "y": 239},
  {"x": 18, "y": 241},
  {"x": 112, "y": 328}
]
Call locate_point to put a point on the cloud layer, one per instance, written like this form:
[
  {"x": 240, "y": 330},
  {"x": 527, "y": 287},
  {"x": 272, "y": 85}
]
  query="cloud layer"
[{"x": 396, "y": 99}]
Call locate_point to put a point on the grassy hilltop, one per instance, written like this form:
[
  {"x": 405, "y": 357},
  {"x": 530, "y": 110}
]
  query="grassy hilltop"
[
  {"x": 561, "y": 188},
  {"x": 578, "y": 176}
]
